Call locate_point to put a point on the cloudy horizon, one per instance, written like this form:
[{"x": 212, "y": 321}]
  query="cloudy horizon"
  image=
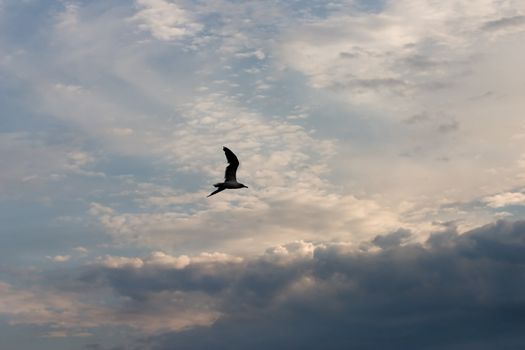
[{"x": 381, "y": 141}]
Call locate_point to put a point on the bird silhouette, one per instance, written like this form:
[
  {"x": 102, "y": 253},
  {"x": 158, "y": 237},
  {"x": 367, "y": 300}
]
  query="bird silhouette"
[{"x": 230, "y": 179}]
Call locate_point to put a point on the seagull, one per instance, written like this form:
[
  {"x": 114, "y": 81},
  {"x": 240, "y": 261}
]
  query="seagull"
[{"x": 230, "y": 180}]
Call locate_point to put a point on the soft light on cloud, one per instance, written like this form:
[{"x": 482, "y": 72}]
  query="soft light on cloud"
[
  {"x": 60, "y": 258},
  {"x": 165, "y": 19},
  {"x": 505, "y": 199}
]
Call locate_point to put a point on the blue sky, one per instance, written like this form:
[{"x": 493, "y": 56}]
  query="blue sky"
[{"x": 365, "y": 129}]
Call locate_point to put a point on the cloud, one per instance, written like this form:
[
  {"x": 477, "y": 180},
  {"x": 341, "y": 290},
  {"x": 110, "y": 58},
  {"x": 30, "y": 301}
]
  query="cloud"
[
  {"x": 505, "y": 199},
  {"x": 165, "y": 20},
  {"x": 60, "y": 258},
  {"x": 404, "y": 297},
  {"x": 389, "y": 56},
  {"x": 35, "y": 160},
  {"x": 72, "y": 312},
  {"x": 81, "y": 250},
  {"x": 283, "y": 162},
  {"x": 377, "y": 69},
  {"x": 115, "y": 262},
  {"x": 160, "y": 259},
  {"x": 393, "y": 239},
  {"x": 505, "y": 22},
  {"x": 448, "y": 127},
  {"x": 272, "y": 216},
  {"x": 301, "y": 294}
]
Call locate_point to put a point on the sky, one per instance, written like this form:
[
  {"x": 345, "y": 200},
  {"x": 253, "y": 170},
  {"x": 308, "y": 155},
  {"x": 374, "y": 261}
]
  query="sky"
[{"x": 382, "y": 142}]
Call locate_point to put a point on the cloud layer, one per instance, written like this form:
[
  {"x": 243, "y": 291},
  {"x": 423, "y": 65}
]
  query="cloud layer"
[{"x": 452, "y": 291}]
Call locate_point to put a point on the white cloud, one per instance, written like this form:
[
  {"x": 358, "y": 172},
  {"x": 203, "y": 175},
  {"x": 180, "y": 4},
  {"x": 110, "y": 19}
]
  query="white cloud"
[
  {"x": 116, "y": 262},
  {"x": 266, "y": 218},
  {"x": 165, "y": 20},
  {"x": 81, "y": 250},
  {"x": 159, "y": 259},
  {"x": 60, "y": 258},
  {"x": 505, "y": 199},
  {"x": 418, "y": 58},
  {"x": 68, "y": 88},
  {"x": 67, "y": 334},
  {"x": 409, "y": 48},
  {"x": 289, "y": 252},
  {"x": 282, "y": 163},
  {"x": 99, "y": 209},
  {"x": 68, "y": 18}
]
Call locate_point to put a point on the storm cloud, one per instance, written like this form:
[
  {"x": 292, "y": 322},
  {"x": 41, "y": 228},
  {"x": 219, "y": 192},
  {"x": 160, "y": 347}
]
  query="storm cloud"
[{"x": 454, "y": 291}]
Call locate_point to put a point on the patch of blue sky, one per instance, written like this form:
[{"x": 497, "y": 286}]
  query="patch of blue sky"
[
  {"x": 370, "y": 6},
  {"x": 282, "y": 102},
  {"x": 178, "y": 69},
  {"x": 307, "y": 9},
  {"x": 35, "y": 229},
  {"x": 24, "y": 22},
  {"x": 313, "y": 8},
  {"x": 141, "y": 168},
  {"x": 20, "y": 113},
  {"x": 146, "y": 169},
  {"x": 31, "y": 231},
  {"x": 91, "y": 9},
  {"x": 289, "y": 96},
  {"x": 16, "y": 108},
  {"x": 510, "y": 211},
  {"x": 331, "y": 120},
  {"x": 189, "y": 181}
]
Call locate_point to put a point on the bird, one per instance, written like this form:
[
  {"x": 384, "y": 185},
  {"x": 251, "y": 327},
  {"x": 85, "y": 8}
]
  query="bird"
[{"x": 230, "y": 179}]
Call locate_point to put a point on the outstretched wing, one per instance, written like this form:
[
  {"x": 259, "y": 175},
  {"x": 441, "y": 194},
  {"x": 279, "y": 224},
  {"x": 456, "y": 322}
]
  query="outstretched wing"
[{"x": 233, "y": 164}]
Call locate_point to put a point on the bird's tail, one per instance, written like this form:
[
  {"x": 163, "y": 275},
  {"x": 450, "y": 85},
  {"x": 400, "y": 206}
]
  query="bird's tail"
[{"x": 216, "y": 191}]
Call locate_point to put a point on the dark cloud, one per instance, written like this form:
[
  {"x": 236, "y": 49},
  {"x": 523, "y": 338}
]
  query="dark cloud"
[
  {"x": 96, "y": 346},
  {"x": 442, "y": 122},
  {"x": 447, "y": 127},
  {"x": 482, "y": 96},
  {"x": 348, "y": 55},
  {"x": 505, "y": 22},
  {"x": 376, "y": 84},
  {"x": 139, "y": 284},
  {"x": 423, "y": 62},
  {"x": 436, "y": 85},
  {"x": 455, "y": 291},
  {"x": 418, "y": 118},
  {"x": 393, "y": 239}
]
